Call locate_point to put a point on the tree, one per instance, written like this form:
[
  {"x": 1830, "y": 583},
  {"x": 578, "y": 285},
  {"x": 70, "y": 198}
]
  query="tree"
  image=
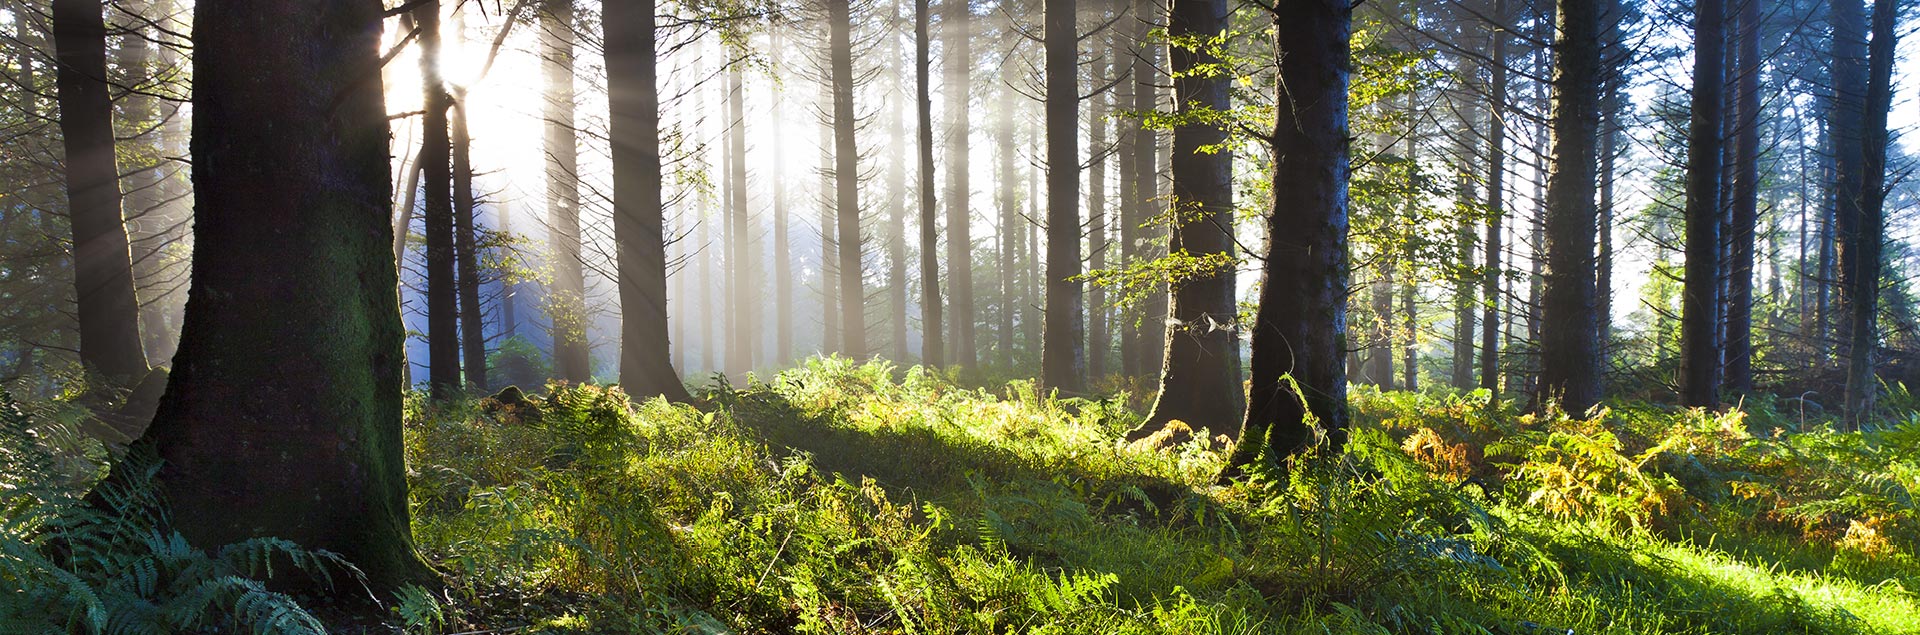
[
  {"x": 932, "y": 346},
  {"x": 1746, "y": 201},
  {"x": 1200, "y": 377},
  {"x": 633, "y": 124},
  {"x": 1298, "y": 364},
  {"x": 1063, "y": 353},
  {"x": 1699, "y": 308},
  {"x": 846, "y": 175},
  {"x": 1150, "y": 334},
  {"x": 473, "y": 339},
  {"x": 108, "y": 312},
  {"x": 739, "y": 248},
  {"x": 567, "y": 299},
  {"x": 957, "y": 30},
  {"x": 282, "y": 415},
  {"x": 1570, "y": 329},
  {"x": 1490, "y": 292},
  {"x": 1860, "y": 268},
  {"x": 896, "y": 194},
  {"x": 436, "y": 175}
]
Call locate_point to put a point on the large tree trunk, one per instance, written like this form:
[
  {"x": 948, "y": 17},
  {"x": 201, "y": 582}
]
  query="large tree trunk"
[
  {"x": 1699, "y": 355},
  {"x": 1860, "y": 273},
  {"x": 740, "y": 287},
  {"x": 109, "y": 315},
  {"x": 958, "y": 33},
  {"x": 932, "y": 345},
  {"x": 1063, "y": 353},
  {"x": 846, "y": 175},
  {"x": 436, "y": 170},
  {"x": 1466, "y": 155},
  {"x": 633, "y": 125},
  {"x": 1299, "y": 333},
  {"x": 566, "y": 304},
  {"x": 282, "y": 416},
  {"x": 1570, "y": 329},
  {"x": 1200, "y": 377},
  {"x": 1746, "y": 201},
  {"x": 473, "y": 339},
  {"x": 1496, "y": 203}
]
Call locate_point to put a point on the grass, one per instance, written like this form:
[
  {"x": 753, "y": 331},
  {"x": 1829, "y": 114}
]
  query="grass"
[{"x": 844, "y": 498}]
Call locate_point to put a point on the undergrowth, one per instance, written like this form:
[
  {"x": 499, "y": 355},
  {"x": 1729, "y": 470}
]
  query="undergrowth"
[{"x": 845, "y": 498}]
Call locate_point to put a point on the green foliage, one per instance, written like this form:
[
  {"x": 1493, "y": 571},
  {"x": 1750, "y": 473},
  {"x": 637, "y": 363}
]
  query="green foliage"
[{"x": 110, "y": 564}]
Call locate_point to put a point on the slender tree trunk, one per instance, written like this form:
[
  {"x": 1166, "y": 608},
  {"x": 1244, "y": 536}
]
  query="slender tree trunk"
[
  {"x": 846, "y": 173},
  {"x": 829, "y": 253},
  {"x": 147, "y": 209},
  {"x": 782, "y": 244},
  {"x": 932, "y": 346},
  {"x": 1011, "y": 236},
  {"x": 1410, "y": 310},
  {"x": 1699, "y": 357},
  {"x": 1609, "y": 151},
  {"x": 1860, "y": 273},
  {"x": 1746, "y": 201},
  {"x": 740, "y": 263},
  {"x": 1496, "y": 205},
  {"x": 1570, "y": 329},
  {"x": 1126, "y": 135},
  {"x": 633, "y": 125},
  {"x": 1063, "y": 364},
  {"x": 1299, "y": 333},
  {"x": 1153, "y": 315},
  {"x": 282, "y": 416},
  {"x": 958, "y": 32},
  {"x": 567, "y": 304},
  {"x": 1098, "y": 338},
  {"x": 436, "y": 169},
  {"x": 1464, "y": 296},
  {"x": 1378, "y": 370},
  {"x": 896, "y": 196},
  {"x": 109, "y": 314},
  {"x": 473, "y": 339},
  {"x": 1200, "y": 376}
]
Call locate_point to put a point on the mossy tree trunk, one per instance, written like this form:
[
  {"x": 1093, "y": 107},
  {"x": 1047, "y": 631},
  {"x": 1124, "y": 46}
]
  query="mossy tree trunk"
[{"x": 282, "y": 416}]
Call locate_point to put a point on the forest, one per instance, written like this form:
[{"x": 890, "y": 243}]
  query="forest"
[{"x": 1342, "y": 317}]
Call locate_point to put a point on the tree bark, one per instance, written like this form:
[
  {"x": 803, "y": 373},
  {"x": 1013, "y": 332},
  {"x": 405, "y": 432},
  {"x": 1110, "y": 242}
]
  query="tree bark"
[
  {"x": 1496, "y": 204},
  {"x": 932, "y": 345},
  {"x": 109, "y": 314},
  {"x": 1200, "y": 377},
  {"x": 282, "y": 415},
  {"x": 1570, "y": 329},
  {"x": 1298, "y": 365},
  {"x": 1464, "y": 296},
  {"x": 1011, "y": 235},
  {"x": 436, "y": 170},
  {"x": 567, "y": 302},
  {"x": 958, "y": 33},
  {"x": 633, "y": 125},
  {"x": 473, "y": 339},
  {"x": 1699, "y": 355},
  {"x": 1862, "y": 257},
  {"x": 1152, "y": 317},
  {"x": 782, "y": 245},
  {"x": 896, "y": 196},
  {"x": 1097, "y": 336},
  {"x": 846, "y": 174},
  {"x": 740, "y": 261},
  {"x": 1063, "y": 355},
  {"x": 1746, "y": 201}
]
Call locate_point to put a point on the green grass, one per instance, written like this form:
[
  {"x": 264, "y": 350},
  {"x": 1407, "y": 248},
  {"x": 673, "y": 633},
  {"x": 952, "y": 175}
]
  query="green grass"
[{"x": 865, "y": 499}]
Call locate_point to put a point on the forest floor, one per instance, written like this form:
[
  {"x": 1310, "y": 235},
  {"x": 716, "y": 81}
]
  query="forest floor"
[
  {"x": 843, "y": 498},
  {"x": 860, "y": 499}
]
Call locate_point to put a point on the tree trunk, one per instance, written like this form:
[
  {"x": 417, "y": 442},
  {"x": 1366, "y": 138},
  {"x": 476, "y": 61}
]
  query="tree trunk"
[
  {"x": 633, "y": 125},
  {"x": 896, "y": 196},
  {"x": 282, "y": 415},
  {"x": 932, "y": 346},
  {"x": 473, "y": 339},
  {"x": 846, "y": 174},
  {"x": 1299, "y": 334},
  {"x": 1011, "y": 236},
  {"x": 782, "y": 245},
  {"x": 1063, "y": 354},
  {"x": 1467, "y": 154},
  {"x": 830, "y": 341},
  {"x": 1496, "y": 204},
  {"x": 1097, "y": 336},
  {"x": 436, "y": 170},
  {"x": 740, "y": 261},
  {"x": 1378, "y": 370},
  {"x": 1152, "y": 316},
  {"x": 567, "y": 303},
  {"x": 1699, "y": 357},
  {"x": 1570, "y": 329},
  {"x": 1200, "y": 377},
  {"x": 1128, "y": 207},
  {"x": 1746, "y": 201},
  {"x": 958, "y": 32},
  {"x": 1860, "y": 273},
  {"x": 109, "y": 314}
]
